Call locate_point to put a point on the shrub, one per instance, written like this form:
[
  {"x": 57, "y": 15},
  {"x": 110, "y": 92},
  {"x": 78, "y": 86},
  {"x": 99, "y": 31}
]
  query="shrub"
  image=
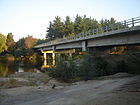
[
  {"x": 64, "y": 71},
  {"x": 128, "y": 63},
  {"x": 132, "y": 62},
  {"x": 115, "y": 67},
  {"x": 92, "y": 67}
]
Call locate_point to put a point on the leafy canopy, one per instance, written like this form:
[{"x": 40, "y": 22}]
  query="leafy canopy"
[{"x": 3, "y": 46}]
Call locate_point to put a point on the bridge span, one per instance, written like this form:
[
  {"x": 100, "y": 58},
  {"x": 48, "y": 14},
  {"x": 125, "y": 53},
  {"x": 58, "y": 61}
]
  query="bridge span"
[{"x": 122, "y": 33}]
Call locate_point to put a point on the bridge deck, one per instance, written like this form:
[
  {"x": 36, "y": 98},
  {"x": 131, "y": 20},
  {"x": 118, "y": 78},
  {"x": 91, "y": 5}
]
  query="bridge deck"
[{"x": 119, "y": 28}]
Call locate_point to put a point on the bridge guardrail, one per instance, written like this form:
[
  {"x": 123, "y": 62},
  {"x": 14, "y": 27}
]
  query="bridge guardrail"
[{"x": 112, "y": 27}]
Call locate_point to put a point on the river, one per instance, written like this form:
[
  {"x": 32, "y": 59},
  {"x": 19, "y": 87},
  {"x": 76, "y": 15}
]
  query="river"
[{"x": 12, "y": 66}]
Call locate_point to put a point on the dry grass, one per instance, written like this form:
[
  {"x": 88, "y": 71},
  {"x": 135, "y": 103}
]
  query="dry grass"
[{"x": 11, "y": 83}]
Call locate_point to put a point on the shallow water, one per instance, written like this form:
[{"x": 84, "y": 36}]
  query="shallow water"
[{"x": 11, "y": 67}]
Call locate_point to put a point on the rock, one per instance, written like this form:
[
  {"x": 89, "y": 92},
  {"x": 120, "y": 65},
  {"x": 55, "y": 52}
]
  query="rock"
[
  {"x": 53, "y": 83},
  {"x": 53, "y": 86}
]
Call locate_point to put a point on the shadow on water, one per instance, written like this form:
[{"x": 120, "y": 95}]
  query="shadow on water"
[{"x": 10, "y": 66}]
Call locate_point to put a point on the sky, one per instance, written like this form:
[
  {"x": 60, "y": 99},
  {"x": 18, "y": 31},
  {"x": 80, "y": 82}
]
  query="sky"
[{"x": 31, "y": 17}]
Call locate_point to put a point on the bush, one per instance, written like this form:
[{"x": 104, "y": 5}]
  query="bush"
[
  {"x": 132, "y": 63},
  {"x": 115, "y": 67},
  {"x": 64, "y": 71},
  {"x": 128, "y": 63},
  {"x": 69, "y": 71},
  {"x": 92, "y": 67}
]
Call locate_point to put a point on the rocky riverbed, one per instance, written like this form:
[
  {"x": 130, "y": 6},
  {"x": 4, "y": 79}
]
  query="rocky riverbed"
[{"x": 118, "y": 89}]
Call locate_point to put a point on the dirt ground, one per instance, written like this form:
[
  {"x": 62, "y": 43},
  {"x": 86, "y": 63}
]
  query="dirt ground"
[{"x": 116, "y": 91}]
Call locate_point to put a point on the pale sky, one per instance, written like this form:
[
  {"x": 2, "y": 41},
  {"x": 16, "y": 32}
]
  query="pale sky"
[{"x": 31, "y": 17}]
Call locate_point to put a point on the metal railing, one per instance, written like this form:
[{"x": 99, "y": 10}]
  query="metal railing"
[{"x": 100, "y": 30}]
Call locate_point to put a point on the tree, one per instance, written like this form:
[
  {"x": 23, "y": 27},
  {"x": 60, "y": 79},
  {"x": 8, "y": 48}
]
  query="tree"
[
  {"x": 95, "y": 24},
  {"x": 112, "y": 21},
  {"x": 40, "y": 41},
  {"x": 50, "y": 30},
  {"x": 69, "y": 27},
  {"x": 10, "y": 43},
  {"x": 78, "y": 24},
  {"x": 58, "y": 26},
  {"x": 3, "y": 46},
  {"x": 24, "y": 46},
  {"x": 58, "y": 29},
  {"x": 89, "y": 23},
  {"x": 19, "y": 50},
  {"x": 29, "y": 42},
  {"x": 20, "y": 43}
]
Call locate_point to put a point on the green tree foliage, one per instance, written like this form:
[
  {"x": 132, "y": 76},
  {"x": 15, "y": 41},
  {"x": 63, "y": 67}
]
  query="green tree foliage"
[
  {"x": 112, "y": 21},
  {"x": 24, "y": 46},
  {"x": 92, "y": 67},
  {"x": 69, "y": 29},
  {"x": 50, "y": 32},
  {"x": 107, "y": 23},
  {"x": 19, "y": 50},
  {"x": 64, "y": 71},
  {"x": 58, "y": 26},
  {"x": 40, "y": 41},
  {"x": 3, "y": 46},
  {"x": 20, "y": 43},
  {"x": 58, "y": 29},
  {"x": 78, "y": 24},
  {"x": 10, "y": 43},
  {"x": 95, "y": 24},
  {"x": 88, "y": 68}
]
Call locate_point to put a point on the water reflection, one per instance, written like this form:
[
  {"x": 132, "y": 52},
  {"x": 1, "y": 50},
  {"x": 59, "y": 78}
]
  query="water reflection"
[
  {"x": 11, "y": 67},
  {"x": 3, "y": 70}
]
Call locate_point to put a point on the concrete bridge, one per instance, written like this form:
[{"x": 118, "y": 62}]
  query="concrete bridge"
[{"x": 122, "y": 33}]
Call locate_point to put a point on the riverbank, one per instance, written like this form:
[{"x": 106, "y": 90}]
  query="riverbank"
[
  {"x": 118, "y": 89},
  {"x": 21, "y": 79}
]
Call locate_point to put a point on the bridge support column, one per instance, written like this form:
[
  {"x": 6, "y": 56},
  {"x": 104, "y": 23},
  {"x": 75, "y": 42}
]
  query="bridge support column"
[
  {"x": 53, "y": 55},
  {"x": 84, "y": 46},
  {"x": 45, "y": 55},
  {"x": 45, "y": 63},
  {"x": 53, "y": 58}
]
